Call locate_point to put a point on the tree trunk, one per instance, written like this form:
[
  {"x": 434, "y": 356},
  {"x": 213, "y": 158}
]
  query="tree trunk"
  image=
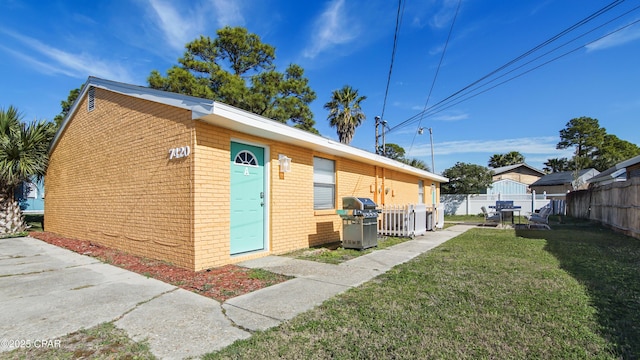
[{"x": 11, "y": 218}]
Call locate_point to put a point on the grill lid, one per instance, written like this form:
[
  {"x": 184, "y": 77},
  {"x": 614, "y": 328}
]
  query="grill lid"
[{"x": 357, "y": 203}]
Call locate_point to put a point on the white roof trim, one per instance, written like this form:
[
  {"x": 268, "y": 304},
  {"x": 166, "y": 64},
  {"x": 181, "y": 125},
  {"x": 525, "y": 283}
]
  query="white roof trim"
[
  {"x": 629, "y": 162},
  {"x": 229, "y": 117}
]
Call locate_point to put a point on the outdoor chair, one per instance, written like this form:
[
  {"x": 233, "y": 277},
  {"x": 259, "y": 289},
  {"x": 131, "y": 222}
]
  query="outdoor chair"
[
  {"x": 490, "y": 217},
  {"x": 540, "y": 218}
]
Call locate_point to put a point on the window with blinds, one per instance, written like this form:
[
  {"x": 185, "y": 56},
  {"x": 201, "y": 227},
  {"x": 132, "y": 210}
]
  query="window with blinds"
[{"x": 324, "y": 184}]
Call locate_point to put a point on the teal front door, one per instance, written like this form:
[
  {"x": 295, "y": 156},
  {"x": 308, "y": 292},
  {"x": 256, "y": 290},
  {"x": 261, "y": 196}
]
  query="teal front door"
[{"x": 247, "y": 198}]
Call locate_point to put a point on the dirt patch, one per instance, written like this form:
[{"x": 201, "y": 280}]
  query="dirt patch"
[{"x": 219, "y": 283}]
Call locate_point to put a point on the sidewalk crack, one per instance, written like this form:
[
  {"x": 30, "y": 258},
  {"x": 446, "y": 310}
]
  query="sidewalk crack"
[
  {"x": 238, "y": 326},
  {"x": 143, "y": 302}
]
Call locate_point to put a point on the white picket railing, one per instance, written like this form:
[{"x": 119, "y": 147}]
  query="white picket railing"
[{"x": 405, "y": 220}]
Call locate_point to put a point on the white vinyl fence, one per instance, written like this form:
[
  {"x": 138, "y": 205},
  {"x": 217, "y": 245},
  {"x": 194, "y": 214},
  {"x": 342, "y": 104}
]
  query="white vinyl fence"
[
  {"x": 471, "y": 204},
  {"x": 409, "y": 220}
]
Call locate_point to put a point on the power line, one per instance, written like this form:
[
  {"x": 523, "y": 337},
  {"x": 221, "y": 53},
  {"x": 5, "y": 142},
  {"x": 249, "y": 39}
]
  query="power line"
[
  {"x": 435, "y": 77},
  {"x": 433, "y": 111},
  {"x": 438, "y": 108},
  {"x": 520, "y": 57},
  {"x": 393, "y": 54}
]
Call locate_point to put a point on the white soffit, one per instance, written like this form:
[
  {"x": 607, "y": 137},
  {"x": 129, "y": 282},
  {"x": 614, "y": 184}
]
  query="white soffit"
[{"x": 243, "y": 121}]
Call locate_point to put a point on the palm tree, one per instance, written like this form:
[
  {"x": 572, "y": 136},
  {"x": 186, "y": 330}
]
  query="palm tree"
[
  {"x": 510, "y": 158},
  {"x": 496, "y": 160},
  {"x": 23, "y": 156},
  {"x": 556, "y": 165},
  {"x": 345, "y": 113},
  {"x": 513, "y": 158},
  {"x": 416, "y": 163}
]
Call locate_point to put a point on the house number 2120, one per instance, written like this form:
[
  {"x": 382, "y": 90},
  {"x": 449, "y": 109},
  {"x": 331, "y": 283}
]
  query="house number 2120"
[{"x": 180, "y": 152}]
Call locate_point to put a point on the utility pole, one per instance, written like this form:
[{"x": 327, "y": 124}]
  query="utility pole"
[
  {"x": 420, "y": 132},
  {"x": 384, "y": 124},
  {"x": 384, "y": 144},
  {"x": 433, "y": 165},
  {"x": 377, "y": 123}
]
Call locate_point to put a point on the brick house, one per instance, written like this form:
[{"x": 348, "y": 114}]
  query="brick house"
[{"x": 202, "y": 184}]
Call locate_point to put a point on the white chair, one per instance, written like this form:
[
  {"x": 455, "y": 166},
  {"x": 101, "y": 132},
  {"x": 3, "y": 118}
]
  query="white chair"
[
  {"x": 540, "y": 218},
  {"x": 490, "y": 217}
]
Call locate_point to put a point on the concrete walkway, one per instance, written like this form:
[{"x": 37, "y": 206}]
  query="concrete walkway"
[{"x": 47, "y": 292}]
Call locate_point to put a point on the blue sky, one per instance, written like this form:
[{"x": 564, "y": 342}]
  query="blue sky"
[{"x": 48, "y": 48}]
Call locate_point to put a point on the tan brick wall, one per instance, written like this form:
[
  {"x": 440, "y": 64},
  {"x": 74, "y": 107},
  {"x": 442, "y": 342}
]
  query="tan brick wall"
[
  {"x": 293, "y": 222},
  {"x": 401, "y": 189},
  {"x": 211, "y": 196},
  {"x": 110, "y": 179}
]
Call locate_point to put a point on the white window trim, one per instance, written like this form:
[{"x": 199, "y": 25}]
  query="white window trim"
[{"x": 324, "y": 181}]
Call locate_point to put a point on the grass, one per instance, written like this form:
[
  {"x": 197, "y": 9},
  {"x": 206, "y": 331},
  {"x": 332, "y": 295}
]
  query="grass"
[
  {"x": 474, "y": 219},
  {"x": 569, "y": 293},
  {"x": 463, "y": 218},
  {"x": 267, "y": 276},
  {"x": 336, "y": 254},
  {"x": 35, "y": 221},
  {"x": 103, "y": 341}
]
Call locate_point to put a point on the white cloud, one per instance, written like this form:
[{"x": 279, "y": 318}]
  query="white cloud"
[
  {"x": 532, "y": 148},
  {"x": 443, "y": 18},
  {"x": 56, "y": 61},
  {"x": 177, "y": 30},
  {"x": 333, "y": 27},
  {"x": 534, "y": 145},
  {"x": 616, "y": 39},
  {"x": 181, "y": 25},
  {"x": 536, "y": 150},
  {"x": 228, "y": 12},
  {"x": 451, "y": 117}
]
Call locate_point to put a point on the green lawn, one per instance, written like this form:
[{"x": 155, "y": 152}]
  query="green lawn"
[
  {"x": 336, "y": 254},
  {"x": 35, "y": 222},
  {"x": 103, "y": 341},
  {"x": 475, "y": 219},
  {"x": 569, "y": 293}
]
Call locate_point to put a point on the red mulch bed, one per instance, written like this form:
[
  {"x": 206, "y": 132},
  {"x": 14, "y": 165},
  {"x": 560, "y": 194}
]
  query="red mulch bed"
[{"x": 218, "y": 283}]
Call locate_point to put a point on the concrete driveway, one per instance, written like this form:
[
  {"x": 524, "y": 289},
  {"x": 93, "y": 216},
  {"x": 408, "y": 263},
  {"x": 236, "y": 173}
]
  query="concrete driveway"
[{"x": 47, "y": 292}]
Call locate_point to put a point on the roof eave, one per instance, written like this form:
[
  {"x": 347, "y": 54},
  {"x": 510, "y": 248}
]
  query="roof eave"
[
  {"x": 229, "y": 117},
  {"x": 232, "y": 118}
]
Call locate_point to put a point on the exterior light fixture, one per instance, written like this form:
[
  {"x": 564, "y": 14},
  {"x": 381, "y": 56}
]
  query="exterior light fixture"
[{"x": 285, "y": 163}]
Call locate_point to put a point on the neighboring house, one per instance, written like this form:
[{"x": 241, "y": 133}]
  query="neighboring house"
[
  {"x": 563, "y": 182},
  {"x": 514, "y": 179},
  {"x": 30, "y": 196},
  {"x": 508, "y": 187},
  {"x": 622, "y": 171},
  {"x": 202, "y": 184}
]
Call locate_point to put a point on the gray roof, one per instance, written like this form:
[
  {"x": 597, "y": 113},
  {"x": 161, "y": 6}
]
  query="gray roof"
[
  {"x": 504, "y": 169},
  {"x": 615, "y": 171},
  {"x": 563, "y": 178}
]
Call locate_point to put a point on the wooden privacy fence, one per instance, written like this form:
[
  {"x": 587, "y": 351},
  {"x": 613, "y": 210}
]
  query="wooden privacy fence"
[
  {"x": 406, "y": 220},
  {"x": 616, "y": 205}
]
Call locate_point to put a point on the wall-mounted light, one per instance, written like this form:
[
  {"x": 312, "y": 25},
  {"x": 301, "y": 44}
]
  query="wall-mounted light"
[{"x": 285, "y": 163}]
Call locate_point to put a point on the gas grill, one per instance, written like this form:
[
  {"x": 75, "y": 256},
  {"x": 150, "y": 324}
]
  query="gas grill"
[{"x": 359, "y": 223}]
